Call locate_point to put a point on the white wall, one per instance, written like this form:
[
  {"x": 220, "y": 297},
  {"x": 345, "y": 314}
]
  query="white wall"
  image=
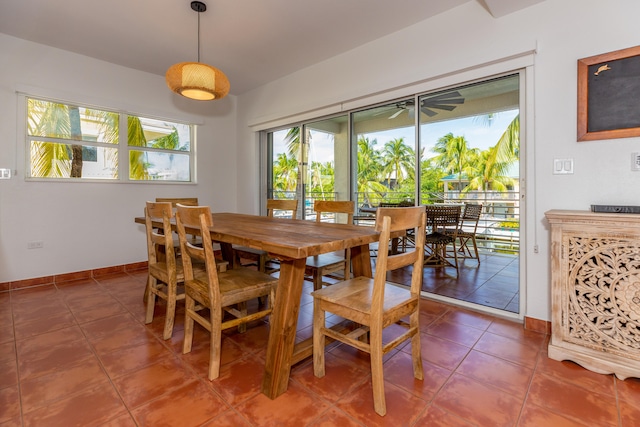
[
  {"x": 562, "y": 31},
  {"x": 90, "y": 225}
]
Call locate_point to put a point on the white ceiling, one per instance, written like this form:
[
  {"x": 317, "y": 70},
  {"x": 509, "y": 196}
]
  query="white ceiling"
[{"x": 252, "y": 41}]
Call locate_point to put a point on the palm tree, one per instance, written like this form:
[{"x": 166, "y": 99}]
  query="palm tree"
[
  {"x": 454, "y": 155},
  {"x": 369, "y": 170},
  {"x": 398, "y": 159},
  {"x": 285, "y": 173}
]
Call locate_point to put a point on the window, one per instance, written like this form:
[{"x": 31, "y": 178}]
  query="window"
[{"x": 70, "y": 142}]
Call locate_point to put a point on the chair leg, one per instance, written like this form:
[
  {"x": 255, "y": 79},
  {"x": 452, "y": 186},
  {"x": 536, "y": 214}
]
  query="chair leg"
[
  {"x": 172, "y": 290},
  {"x": 377, "y": 378},
  {"x": 152, "y": 282},
  {"x": 318, "y": 340},
  {"x": 216, "y": 343},
  {"x": 416, "y": 350},
  {"x": 190, "y": 305},
  {"x": 317, "y": 279},
  {"x": 475, "y": 248}
]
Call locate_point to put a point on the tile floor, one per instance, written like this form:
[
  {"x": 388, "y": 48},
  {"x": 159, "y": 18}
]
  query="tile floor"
[{"x": 78, "y": 353}]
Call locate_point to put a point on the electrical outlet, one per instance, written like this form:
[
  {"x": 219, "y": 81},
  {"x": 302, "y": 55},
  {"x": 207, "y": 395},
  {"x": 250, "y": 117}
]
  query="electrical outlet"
[
  {"x": 37, "y": 244},
  {"x": 635, "y": 162}
]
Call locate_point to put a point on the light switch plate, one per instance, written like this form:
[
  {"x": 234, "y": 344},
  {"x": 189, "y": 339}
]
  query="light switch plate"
[
  {"x": 5, "y": 173},
  {"x": 562, "y": 166},
  {"x": 635, "y": 162}
]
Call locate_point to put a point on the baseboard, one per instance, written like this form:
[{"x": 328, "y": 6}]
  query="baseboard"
[
  {"x": 67, "y": 277},
  {"x": 537, "y": 325}
]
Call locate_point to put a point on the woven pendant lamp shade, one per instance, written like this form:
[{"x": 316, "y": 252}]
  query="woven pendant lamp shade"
[{"x": 196, "y": 80}]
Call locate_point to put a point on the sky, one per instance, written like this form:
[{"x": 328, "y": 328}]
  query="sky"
[{"x": 477, "y": 133}]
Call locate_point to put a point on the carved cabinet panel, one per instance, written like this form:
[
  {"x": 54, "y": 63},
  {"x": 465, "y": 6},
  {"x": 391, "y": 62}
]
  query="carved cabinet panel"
[{"x": 595, "y": 280}]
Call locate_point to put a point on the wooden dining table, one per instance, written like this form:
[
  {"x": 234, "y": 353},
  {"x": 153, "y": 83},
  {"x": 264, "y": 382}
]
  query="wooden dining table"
[{"x": 291, "y": 242}]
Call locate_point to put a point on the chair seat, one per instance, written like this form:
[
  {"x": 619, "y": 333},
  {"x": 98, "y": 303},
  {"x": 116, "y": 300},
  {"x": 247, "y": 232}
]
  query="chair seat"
[
  {"x": 438, "y": 238},
  {"x": 237, "y": 285},
  {"x": 356, "y": 295}
]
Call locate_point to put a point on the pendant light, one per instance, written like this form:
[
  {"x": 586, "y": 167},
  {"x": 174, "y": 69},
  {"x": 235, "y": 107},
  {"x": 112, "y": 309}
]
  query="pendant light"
[{"x": 196, "y": 80}]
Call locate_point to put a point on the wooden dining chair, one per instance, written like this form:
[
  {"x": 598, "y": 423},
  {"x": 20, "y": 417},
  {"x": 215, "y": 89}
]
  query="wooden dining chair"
[
  {"x": 221, "y": 293},
  {"x": 467, "y": 229},
  {"x": 375, "y": 304},
  {"x": 321, "y": 265},
  {"x": 188, "y": 201},
  {"x": 258, "y": 257},
  {"x": 442, "y": 225},
  {"x": 165, "y": 271}
]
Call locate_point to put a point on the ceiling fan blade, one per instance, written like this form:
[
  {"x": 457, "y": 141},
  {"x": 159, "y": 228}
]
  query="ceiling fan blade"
[
  {"x": 442, "y": 107},
  {"x": 396, "y": 114},
  {"x": 428, "y": 112}
]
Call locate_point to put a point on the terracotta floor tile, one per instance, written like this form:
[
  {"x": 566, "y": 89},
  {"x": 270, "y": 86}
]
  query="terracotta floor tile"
[
  {"x": 119, "y": 339},
  {"x": 478, "y": 403},
  {"x": 8, "y": 352},
  {"x": 123, "y": 361},
  {"x": 152, "y": 381},
  {"x": 124, "y": 420},
  {"x": 103, "y": 341},
  {"x": 399, "y": 371},
  {"x": 456, "y": 332},
  {"x": 435, "y": 416},
  {"x": 335, "y": 417},
  {"x": 441, "y": 352},
  {"x": 198, "y": 357},
  {"x": 50, "y": 359},
  {"x": 239, "y": 380},
  {"x": 44, "y": 390},
  {"x": 108, "y": 325},
  {"x": 497, "y": 372},
  {"x": 575, "y": 374},
  {"x": 192, "y": 404},
  {"x": 508, "y": 349},
  {"x": 59, "y": 320},
  {"x": 230, "y": 418},
  {"x": 98, "y": 405},
  {"x": 629, "y": 413},
  {"x": 340, "y": 377},
  {"x": 470, "y": 318},
  {"x": 89, "y": 314},
  {"x": 403, "y": 408},
  {"x": 515, "y": 331},
  {"x": 296, "y": 407},
  {"x": 571, "y": 401},
  {"x": 536, "y": 416},
  {"x": 8, "y": 373},
  {"x": 29, "y": 313},
  {"x": 9, "y": 404},
  {"x": 629, "y": 390}
]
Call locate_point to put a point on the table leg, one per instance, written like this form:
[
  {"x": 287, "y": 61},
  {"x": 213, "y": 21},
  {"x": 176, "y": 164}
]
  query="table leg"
[
  {"x": 283, "y": 324},
  {"x": 361, "y": 261}
]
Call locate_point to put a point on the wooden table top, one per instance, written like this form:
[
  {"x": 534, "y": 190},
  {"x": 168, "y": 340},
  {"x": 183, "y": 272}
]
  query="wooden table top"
[{"x": 286, "y": 238}]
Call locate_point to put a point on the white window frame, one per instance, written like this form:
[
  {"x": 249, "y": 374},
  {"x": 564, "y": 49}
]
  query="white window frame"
[{"x": 122, "y": 146}]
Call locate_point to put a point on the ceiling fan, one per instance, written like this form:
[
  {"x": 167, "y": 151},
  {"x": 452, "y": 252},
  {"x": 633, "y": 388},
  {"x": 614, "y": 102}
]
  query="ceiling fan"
[{"x": 444, "y": 101}]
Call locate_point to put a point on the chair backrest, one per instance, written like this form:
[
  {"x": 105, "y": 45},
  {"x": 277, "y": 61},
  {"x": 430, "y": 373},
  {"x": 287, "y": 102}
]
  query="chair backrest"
[
  {"x": 282, "y": 205},
  {"x": 471, "y": 216},
  {"x": 443, "y": 217},
  {"x": 161, "y": 237},
  {"x": 187, "y": 201},
  {"x": 391, "y": 220},
  {"x": 198, "y": 217},
  {"x": 335, "y": 207}
]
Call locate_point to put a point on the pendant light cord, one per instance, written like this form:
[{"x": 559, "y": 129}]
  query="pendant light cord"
[{"x": 198, "y": 36}]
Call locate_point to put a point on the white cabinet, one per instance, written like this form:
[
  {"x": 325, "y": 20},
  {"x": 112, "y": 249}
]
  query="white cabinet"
[{"x": 595, "y": 269}]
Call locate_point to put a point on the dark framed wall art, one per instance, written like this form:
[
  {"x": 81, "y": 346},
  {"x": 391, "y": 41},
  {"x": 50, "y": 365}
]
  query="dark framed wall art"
[{"x": 609, "y": 95}]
